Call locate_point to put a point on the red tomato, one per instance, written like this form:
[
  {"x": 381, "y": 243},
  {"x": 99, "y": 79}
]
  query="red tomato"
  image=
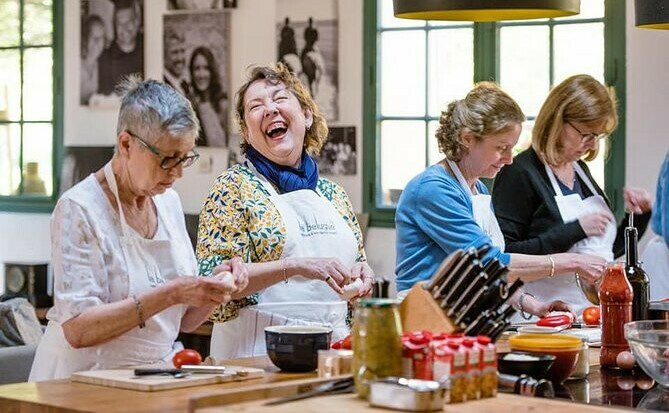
[
  {"x": 591, "y": 316},
  {"x": 346, "y": 345},
  {"x": 342, "y": 344},
  {"x": 186, "y": 357}
]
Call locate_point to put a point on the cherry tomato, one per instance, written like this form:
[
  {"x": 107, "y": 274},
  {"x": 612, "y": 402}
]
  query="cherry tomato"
[
  {"x": 344, "y": 344},
  {"x": 591, "y": 316},
  {"x": 186, "y": 357}
]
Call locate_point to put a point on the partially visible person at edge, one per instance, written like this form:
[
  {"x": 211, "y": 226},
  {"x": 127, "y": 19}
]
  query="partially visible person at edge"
[
  {"x": 655, "y": 257},
  {"x": 447, "y": 207},
  {"x": 124, "y": 268},
  {"x": 296, "y": 230},
  {"x": 547, "y": 201}
]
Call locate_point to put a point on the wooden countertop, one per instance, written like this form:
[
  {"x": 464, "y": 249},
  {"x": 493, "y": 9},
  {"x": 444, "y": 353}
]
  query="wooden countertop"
[{"x": 66, "y": 396}]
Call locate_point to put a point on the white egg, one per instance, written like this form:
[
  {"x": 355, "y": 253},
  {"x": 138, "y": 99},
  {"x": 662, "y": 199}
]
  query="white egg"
[{"x": 351, "y": 290}]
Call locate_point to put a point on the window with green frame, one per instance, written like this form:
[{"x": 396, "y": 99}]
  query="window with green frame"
[
  {"x": 30, "y": 103},
  {"x": 414, "y": 68}
]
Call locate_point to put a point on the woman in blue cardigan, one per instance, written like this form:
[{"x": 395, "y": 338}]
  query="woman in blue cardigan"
[{"x": 446, "y": 207}]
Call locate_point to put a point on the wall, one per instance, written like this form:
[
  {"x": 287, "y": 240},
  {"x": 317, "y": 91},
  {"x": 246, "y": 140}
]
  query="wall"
[{"x": 25, "y": 236}]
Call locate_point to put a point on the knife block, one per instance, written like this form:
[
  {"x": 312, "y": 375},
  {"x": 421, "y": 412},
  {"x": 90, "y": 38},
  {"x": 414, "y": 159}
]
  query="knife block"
[{"x": 419, "y": 311}]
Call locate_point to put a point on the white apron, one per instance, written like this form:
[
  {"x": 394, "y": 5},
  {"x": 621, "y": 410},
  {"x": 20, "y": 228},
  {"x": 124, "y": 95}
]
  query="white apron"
[
  {"x": 483, "y": 213},
  {"x": 314, "y": 228},
  {"x": 655, "y": 261},
  {"x": 150, "y": 262},
  {"x": 572, "y": 207}
]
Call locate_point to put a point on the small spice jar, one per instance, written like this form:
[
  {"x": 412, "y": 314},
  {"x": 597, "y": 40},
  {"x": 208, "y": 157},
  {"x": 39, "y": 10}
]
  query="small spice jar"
[{"x": 582, "y": 368}]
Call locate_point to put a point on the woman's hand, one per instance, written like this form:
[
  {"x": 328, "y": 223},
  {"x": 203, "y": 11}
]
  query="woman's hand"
[
  {"x": 239, "y": 270},
  {"x": 363, "y": 271},
  {"x": 542, "y": 309},
  {"x": 594, "y": 224},
  {"x": 201, "y": 291},
  {"x": 329, "y": 270},
  {"x": 637, "y": 200},
  {"x": 589, "y": 267}
]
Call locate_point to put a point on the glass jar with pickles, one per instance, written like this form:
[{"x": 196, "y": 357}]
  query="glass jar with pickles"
[{"x": 377, "y": 344}]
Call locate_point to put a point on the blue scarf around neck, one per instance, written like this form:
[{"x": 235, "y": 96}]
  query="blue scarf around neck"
[{"x": 286, "y": 178}]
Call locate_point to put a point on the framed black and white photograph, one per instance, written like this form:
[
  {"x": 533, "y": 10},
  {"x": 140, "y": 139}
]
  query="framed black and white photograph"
[
  {"x": 112, "y": 47},
  {"x": 308, "y": 43},
  {"x": 339, "y": 155},
  {"x": 201, "y": 4},
  {"x": 81, "y": 161},
  {"x": 196, "y": 62}
]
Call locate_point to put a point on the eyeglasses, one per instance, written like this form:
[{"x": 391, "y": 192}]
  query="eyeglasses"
[
  {"x": 169, "y": 162},
  {"x": 589, "y": 137}
]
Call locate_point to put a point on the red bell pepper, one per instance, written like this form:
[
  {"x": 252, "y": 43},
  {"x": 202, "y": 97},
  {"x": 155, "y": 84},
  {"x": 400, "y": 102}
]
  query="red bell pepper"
[{"x": 554, "y": 321}]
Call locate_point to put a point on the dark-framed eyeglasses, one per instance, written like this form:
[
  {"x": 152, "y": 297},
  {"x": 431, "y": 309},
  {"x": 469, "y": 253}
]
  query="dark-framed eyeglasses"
[
  {"x": 168, "y": 162},
  {"x": 589, "y": 137}
]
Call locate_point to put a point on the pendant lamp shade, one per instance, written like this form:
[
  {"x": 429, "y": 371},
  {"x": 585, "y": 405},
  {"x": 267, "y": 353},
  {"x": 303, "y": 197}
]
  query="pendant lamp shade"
[
  {"x": 652, "y": 14},
  {"x": 485, "y": 10}
]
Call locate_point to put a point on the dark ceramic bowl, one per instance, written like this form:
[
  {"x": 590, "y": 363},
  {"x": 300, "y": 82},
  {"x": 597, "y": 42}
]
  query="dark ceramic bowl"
[
  {"x": 534, "y": 368},
  {"x": 295, "y": 348}
]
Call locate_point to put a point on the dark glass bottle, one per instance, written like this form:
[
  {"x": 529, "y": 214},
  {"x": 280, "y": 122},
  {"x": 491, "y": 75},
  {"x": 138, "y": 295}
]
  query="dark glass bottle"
[{"x": 636, "y": 276}]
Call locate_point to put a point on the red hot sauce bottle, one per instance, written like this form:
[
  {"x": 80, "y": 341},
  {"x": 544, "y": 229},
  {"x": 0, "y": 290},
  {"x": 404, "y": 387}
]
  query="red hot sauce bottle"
[{"x": 615, "y": 297}]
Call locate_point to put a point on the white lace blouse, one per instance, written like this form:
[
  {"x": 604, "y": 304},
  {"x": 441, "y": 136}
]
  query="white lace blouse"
[{"x": 88, "y": 264}]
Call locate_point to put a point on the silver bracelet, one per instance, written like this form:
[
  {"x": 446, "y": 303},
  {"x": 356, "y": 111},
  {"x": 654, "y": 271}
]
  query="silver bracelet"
[
  {"x": 520, "y": 304},
  {"x": 140, "y": 311}
]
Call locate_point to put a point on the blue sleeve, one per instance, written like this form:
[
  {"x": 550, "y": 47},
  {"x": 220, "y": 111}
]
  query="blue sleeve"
[
  {"x": 444, "y": 213},
  {"x": 660, "y": 219}
]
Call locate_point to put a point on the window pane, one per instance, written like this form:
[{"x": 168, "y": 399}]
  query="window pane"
[
  {"x": 451, "y": 66},
  {"x": 524, "y": 65},
  {"x": 579, "y": 48},
  {"x": 10, "y": 85},
  {"x": 10, "y": 151},
  {"x": 402, "y": 72},
  {"x": 37, "y": 158},
  {"x": 432, "y": 146},
  {"x": 525, "y": 139},
  {"x": 443, "y": 23},
  {"x": 388, "y": 18},
  {"x": 37, "y": 84},
  {"x": 9, "y": 22},
  {"x": 590, "y": 9},
  {"x": 37, "y": 23},
  {"x": 402, "y": 145}
]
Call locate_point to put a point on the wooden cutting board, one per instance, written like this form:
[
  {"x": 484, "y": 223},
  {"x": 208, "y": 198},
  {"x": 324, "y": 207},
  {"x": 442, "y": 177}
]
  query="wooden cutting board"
[{"x": 124, "y": 378}]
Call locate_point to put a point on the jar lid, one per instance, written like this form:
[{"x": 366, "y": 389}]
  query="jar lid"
[
  {"x": 377, "y": 302},
  {"x": 542, "y": 342}
]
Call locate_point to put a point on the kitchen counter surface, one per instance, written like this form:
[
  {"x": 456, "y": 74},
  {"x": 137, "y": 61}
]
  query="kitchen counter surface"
[{"x": 602, "y": 388}]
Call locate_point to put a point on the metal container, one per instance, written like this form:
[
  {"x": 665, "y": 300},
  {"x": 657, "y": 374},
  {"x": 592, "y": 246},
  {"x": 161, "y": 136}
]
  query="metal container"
[
  {"x": 408, "y": 394},
  {"x": 658, "y": 310},
  {"x": 588, "y": 289}
]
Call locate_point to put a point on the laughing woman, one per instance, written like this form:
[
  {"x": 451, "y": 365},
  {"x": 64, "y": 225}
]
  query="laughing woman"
[{"x": 298, "y": 229}]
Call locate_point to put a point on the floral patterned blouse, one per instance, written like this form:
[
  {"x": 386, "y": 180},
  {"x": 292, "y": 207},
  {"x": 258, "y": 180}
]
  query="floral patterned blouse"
[{"x": 238, "y": 219}]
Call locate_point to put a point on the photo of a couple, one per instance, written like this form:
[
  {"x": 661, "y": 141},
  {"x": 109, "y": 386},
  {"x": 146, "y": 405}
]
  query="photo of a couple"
[{"x": 195, "y": 63}]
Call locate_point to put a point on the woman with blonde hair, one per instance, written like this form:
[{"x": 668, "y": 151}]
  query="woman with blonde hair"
[
  {"x": 547, "y": 202},
  {"x": 296, "y": 229},
  {"x": 447, "y": 207}
]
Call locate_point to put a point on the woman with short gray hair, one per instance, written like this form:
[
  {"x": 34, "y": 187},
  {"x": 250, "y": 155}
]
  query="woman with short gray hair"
[{"x": 123, "y": 265}]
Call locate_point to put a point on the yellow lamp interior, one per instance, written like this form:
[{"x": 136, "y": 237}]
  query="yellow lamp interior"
[{"x": 486, "y": 15}]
